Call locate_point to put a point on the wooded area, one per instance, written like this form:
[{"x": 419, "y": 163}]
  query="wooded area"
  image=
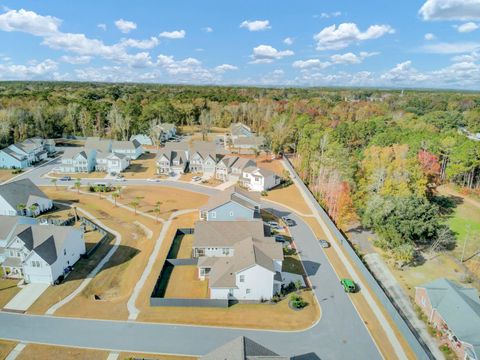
[{"x": 371, "y": 155}]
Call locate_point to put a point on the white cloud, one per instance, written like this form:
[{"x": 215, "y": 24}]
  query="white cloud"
[
  {"x": 264, "y": 54},
  {"x": 140, "y": 44},
  {"x": 467, "y": 27},
  {"x": 429, "y": 36},
  {"x": 351, "y": 58},
  {"x": 31, "y": 71},
  {"x": 450, "y": 10},
  {"x": 208, "y": 29},
  {"x": 257, "y": 25},
  {"x": 29, "y": 22},
  {"x": 76, "y": 60},
  {"x": 451, "y": 48},
  {"x": 472, "y": 57},
  {"x": 273, "y": 78},
  {"x": 310, "y": 63},
  {"x": 177, "y": 34},
  {"x": 324, "y": 15},
  {"x": 102, "y": 26},
  {"x": 404, "y": 73},
  {"x": 125, "y": 26},
  {"x": 225, "y": 67},
  {"x": 288, "y": 41},
  {"x": 335, "y": 38}
]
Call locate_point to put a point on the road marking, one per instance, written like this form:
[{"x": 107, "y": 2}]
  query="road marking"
[{"x": 16, "y": 351}]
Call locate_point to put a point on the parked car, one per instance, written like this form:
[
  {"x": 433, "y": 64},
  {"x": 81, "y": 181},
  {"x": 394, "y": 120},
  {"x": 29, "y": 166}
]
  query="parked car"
[
  {"x": 280, "y": 238},
  {"x": 120, "y": 178},
  {"x": 288, "y": 221},
  {"x": 273, "y": 224},
  {"x": 153, "y": 179},
  {"x": 66, "y": 178},
  {"x": 348, "y": 285},
  {"x": 324, "y": 244},
  {"x": 196, "y": 178}
]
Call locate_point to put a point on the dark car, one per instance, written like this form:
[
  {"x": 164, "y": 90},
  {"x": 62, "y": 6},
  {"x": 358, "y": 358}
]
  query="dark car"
[
  {"x": 288, "y": 221},
  {"x": 324, "y": 244},
  {"x": 66, "y": 178},
  {"x": 280, "y": 238}
]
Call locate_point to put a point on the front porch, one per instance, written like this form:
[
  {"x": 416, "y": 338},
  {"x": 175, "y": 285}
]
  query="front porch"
[{"x": 12, "y": 268}]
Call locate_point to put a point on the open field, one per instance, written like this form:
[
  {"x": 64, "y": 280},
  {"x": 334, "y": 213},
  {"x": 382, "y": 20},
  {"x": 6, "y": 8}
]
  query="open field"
[
  {"x": 289, "y": 196},
  {"x": 142, "y": 168},
  {"x": 266, "y": 316},
  {"x": 171, "y": 199},
  {"x": 8, "y": 289},
  {"x": 48, "y": 352},
  {"x": 6, "y": 174},
  {"x": 184, "y": 284},
  {"x": 116, "y": 280},
  {"x": 5, "y": 348}
]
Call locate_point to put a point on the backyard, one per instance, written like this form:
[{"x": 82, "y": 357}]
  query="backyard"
[
  {"x": 6, "y": 174},
  {"x": 144, "y": 167}
]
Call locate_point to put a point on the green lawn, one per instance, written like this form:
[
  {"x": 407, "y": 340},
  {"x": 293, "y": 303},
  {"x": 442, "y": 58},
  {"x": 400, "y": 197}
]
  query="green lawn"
[{"x": 465, "y": 222}]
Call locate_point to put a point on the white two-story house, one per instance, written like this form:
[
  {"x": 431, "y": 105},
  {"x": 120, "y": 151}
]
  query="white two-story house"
[
  {"x": 131, "y": 149},
  {"x": 78, "y": 160},
  {"x": 23, "y": 197},
  {"x": 42, "y": 253},
  {"x": 259, "y": 179}
]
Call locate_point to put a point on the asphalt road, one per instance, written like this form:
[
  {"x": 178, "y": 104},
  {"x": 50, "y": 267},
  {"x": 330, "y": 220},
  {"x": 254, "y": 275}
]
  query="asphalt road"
[{"x": 340, "y": 333}]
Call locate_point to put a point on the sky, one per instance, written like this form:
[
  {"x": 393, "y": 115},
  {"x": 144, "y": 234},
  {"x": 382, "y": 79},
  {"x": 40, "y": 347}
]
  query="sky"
[{"x": 374, "y": 43}]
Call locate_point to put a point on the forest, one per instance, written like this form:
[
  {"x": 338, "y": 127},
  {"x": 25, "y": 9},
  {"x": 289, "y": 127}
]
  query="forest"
[{"x": 373, "y": 156}]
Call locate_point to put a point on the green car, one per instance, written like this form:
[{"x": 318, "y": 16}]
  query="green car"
[{"x": 348, "y": 285}]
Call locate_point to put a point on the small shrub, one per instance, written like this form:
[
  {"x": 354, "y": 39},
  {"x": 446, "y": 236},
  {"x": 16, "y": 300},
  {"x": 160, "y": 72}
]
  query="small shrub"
[
  {"x": 16, "y": 171},
  {"x": 264, "y": 193},
  {"x": 297, "y": 301}
]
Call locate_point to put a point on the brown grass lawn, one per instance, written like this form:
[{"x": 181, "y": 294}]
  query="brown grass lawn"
[
  {"x": 291, "y": 197},
  {"x": 266, "y": 316},
  {"x": 8, "y": 289},
  {"x": 172, "y": 199},
  {"x": 6, "y": 347},
  {"x": 185, "y": 250},
  {"x": 143, "y": 168},
  {"x": 116, "y": 280},
  {"x": 48, "y": 352},
  {"x": 196, "y": 129},
  {"x": 188, "y": 176},
  {"x": 184, "y": 284},
  {"x": 211, "y": 182},
  {"x": 5, "y": 174}
]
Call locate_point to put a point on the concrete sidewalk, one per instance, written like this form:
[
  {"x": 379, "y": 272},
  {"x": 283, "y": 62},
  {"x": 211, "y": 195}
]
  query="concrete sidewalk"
[
  {"x": 26, "y": 297},
  {"x": 388, "y": 281}
]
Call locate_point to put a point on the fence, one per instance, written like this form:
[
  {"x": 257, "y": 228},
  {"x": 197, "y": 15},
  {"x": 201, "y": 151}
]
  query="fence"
[
  {"x": 58, "y": 222},
  {"x": 403, "y": 324},
  {"x": 101, "y": 230},
  {"x": 218, "y": 303}
]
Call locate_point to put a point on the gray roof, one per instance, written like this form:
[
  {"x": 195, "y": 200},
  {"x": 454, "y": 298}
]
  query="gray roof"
[
  {"x": 46, "y": 240},
  {"x": 236, "y": 129},
  {"x": 14, "y": 154},
  {"x": 173, "y": 151},
  {"x": 248, "y": 199},
  {"x": 459, "y": 307},
  {"x": 72, "y": 152},
  {"x": 262, "y": 171},
  {"x": 252, "y": 140},
  {"x": 125, "y": 145},
  {"x": 246, "y": 253},
  {"x": 226, "y": 233},
  {"x": 242, "y": 348},
  {"x": 20, "y": 192},
  {"x": 95, "y": 142},
  {"x": 242, "y": 163},
  {"x": 8, "y": 223},
  {"x": 27, "y": 145}
]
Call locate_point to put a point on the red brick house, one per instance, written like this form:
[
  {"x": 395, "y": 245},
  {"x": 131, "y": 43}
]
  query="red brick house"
[{"x": 455, "y": 311}]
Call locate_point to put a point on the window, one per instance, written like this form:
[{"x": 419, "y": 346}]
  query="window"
[
  {"x": 247, "y": 291},
  {"x": 64, "y": 251},
  {"x": 242, "y": 278},
  {"x": 225, "y": 251},
  {"x": 231, "y": 213},
  {"x": 213, "y": 214}
]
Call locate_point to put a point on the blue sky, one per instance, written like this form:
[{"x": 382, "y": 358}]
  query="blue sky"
[{"x": 414, "y": 43}]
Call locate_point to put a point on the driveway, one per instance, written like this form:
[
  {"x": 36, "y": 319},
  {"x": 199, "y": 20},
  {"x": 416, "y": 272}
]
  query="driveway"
[
  {"x": 340, "y": 333},
  {"x": 26, "y": 297}
]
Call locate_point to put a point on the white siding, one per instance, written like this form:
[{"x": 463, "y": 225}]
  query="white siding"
[{"x": 258, "y": 284}]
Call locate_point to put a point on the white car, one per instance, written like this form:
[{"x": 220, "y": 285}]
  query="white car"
[
  {"x": 122, "y": 179},
  {"x": 153, "y": 179},
  {"x": 196, "y": 178}
]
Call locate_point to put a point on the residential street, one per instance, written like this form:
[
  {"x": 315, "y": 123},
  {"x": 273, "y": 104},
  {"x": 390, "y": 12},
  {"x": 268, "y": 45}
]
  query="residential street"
[{"x": 340, "y": 332}]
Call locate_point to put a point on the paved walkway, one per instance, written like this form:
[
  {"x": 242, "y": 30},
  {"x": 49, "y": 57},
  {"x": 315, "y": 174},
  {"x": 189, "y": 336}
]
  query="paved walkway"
[
  {"x": 384, "y": 275},
  {"x": 26, "y": 297},
  {"x": 16, "y": 351},
  {"x": 95, "y": 271},
  {"x": 133, "y": 311}
]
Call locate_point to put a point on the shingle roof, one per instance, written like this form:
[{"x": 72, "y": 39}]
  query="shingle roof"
[
  {"x": 125, "y": 145},
  {"x": 251, "y": 140},
  {"x": 72, "y": 152},
  {"x": 8, "y": 223},
  {"x": 242, "y": 348},
  {"x": 242, "y": 163},
  {"x": 251, "y": 200},
  {"x": 46, "y": 240},
  {"x": 246, "y": 253},
  {"x": 20, "y": 191},
  {"x": 14, "y": 154},
  {"x": 95, "y": 142},
  {"x": 226, "y": 233},
  {"x": 459, "y": 307},
  {"x": 236, "y": 129}
]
